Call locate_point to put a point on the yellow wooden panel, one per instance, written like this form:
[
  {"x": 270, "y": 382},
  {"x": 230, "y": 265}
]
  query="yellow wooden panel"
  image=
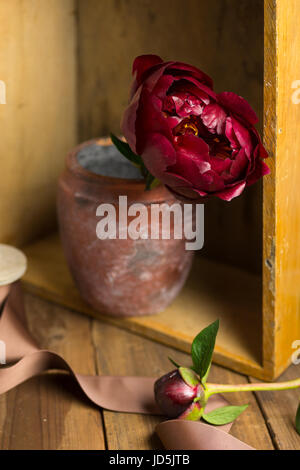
[
  {"x": 38, "y": 123},
  {"x": 287, "y": 313},
  {"x": 281, "y": 235}
]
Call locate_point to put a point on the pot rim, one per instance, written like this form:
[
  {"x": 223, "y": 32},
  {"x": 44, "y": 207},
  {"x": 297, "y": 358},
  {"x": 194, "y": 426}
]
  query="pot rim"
[
  {"x": 74, "y": 165},
  {"x": 160, "y": 193}
]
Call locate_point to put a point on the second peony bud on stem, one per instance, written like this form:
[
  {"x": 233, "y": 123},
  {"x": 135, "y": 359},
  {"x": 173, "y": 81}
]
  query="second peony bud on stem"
[
  {"x": 180, "y": 394},
  {"x": 184, "y": 392}
]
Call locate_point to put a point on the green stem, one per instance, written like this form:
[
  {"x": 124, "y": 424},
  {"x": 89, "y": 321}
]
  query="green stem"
[{"x": 220, "y": 388}]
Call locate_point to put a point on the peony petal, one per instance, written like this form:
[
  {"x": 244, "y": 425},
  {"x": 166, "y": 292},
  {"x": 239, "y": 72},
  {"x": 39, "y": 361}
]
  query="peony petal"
[
  {"x": 198, "y": 88},
  {"x": 210, "y": 182},
  {"x": 189, "y": 168},
  {"x": 220, "y": 165},
  {"x": 178, "y": 101},
  {"x": 261, "y": 169},
  {"x": 194, "y": 87},
  {"x": 128, "y": 122},
  {"x": 262, "y": 151},
  {"x": 176, "y": 181},
  {"x": 149, "y": 78},
  {"x": 154, "y": 75},
  {"x": 230, "y": 193},
  {"x": 143, "y": 63},
  {"x": 239, "y": 166},
  {"x": 162, "y": 86},
  {"x": 194, "y": 71},
  {"x": 158, "y": 154},
  {"x": 188, "y": 194},
  {"x": 193, "y": 146},
  {"x": 173, "y": 121},
  {"x": 193, "y": 163},
  {"x": 242, "y": 136},
  {"x": 238, "y": 105},
  {"x": 200, "y": 193},
  {"x": 229, "y": 133},
  {"x": 187, "y": 104},
  {"x": 168, "y": 106},
  {"x": 185, "y": 169},
  {"x": 259, "y": 153},
  {"x": 150, "y": 120},
  {"x": 213, "y": 117}
]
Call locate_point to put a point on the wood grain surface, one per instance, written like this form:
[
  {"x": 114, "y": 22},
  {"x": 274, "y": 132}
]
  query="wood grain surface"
[
  {"x": 50, "y": 412},
  {"x": 279, "y": 410}
]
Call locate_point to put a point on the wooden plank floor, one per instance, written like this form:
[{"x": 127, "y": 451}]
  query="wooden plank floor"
[{"x": 50, "y": 412}]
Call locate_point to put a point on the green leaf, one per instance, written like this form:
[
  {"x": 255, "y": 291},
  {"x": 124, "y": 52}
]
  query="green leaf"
[
  {"x": 189, "y": 376},
  {"x": 298, "y": 420},
  {"x": 204, "y": 378},
  {"x": 174, "y": 363},
  {"x": 224, "y": 415},
  {"x": 155, "y": 183},
  {"x": 203, "y": 348},
  {"x": 125, "y": 150},
  {"x": 151, "y": 181}
]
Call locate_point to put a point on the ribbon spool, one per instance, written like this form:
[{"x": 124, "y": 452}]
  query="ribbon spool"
[{"x": 13, "y": 264}]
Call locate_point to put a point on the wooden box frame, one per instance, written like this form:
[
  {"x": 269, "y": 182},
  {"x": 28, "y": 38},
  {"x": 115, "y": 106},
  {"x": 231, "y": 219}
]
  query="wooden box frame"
[
  {"x": 277, "y": 323},
  {"x": 281, "y": 205}
]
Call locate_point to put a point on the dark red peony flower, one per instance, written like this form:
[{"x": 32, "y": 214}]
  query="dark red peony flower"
[{"x": 197, "y": 142}]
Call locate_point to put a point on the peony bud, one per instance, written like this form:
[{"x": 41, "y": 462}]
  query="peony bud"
[{"x": 176, "y": 391}]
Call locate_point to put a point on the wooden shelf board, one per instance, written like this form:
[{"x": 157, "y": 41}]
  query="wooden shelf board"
[{"x": 212, "y": 291}]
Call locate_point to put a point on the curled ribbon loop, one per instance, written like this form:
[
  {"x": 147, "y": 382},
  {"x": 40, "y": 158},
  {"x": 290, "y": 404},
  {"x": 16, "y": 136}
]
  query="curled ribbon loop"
[{"x": 124, "y": 394}]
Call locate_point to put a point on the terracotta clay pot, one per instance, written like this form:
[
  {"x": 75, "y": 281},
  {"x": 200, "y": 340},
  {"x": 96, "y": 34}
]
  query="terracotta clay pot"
[{"x": 116, "y": 277}]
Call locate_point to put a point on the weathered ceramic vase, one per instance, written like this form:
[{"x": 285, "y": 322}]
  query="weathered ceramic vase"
[{"x": 120, "y": 277}]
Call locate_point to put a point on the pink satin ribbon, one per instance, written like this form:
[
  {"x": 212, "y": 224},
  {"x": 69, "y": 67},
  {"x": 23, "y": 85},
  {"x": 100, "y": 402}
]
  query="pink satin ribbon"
[{"x": 123, "y": 394}]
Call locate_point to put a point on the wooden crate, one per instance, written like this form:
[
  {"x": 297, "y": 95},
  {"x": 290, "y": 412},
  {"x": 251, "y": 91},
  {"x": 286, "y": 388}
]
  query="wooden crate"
[{"x": 248, "y": 274}]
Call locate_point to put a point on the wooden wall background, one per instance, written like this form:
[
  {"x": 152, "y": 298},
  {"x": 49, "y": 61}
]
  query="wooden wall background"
[
  {"x": 68, "y": 63},
  {"x": 224, "y": 38},
  {"x": 38, "y": 123}
]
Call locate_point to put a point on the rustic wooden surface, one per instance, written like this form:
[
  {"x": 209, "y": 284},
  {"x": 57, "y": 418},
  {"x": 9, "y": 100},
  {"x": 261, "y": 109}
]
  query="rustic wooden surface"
[
  {"x": 50, "y": 412},
  {"x": 212, "y": 291},
  {"x": 39, "y": 123}
]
